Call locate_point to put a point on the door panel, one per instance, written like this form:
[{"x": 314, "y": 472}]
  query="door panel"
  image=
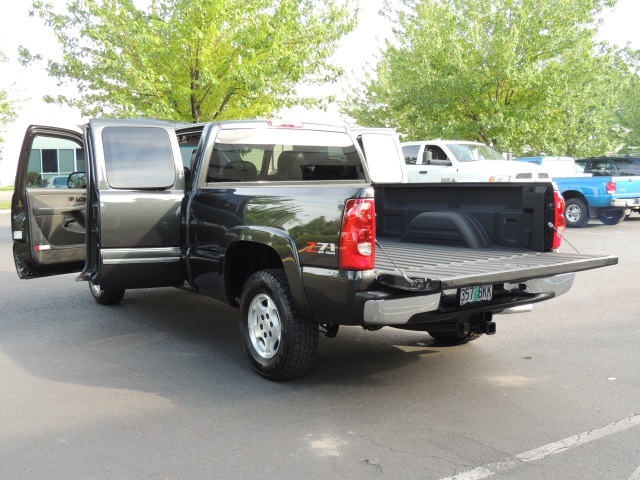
[
  {"x": 57, "y": 225},
  {"x": 48, "y": 217},
  {"x": 136, "y": 204}
]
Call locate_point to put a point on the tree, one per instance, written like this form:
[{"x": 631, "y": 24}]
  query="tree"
[
  {"x": 522, "y": 75},
  {"x": 630, "y": 104},
  {"x": 7, "y": 109},
  {"x": 194, "y": 60}
]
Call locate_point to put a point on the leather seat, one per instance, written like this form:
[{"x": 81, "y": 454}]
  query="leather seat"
[{"x": 239, "y": 171}]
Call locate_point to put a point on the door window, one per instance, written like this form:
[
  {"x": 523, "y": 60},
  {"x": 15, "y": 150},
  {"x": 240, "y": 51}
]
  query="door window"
[
  {"x": 138, "y": 158},
  {"x": 410, "y": 153},
  {"x": 436, "y": 154},
  {"x": 52, "y": 160}
]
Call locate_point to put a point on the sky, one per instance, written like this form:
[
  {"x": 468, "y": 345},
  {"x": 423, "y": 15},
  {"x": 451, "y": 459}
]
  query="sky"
[{"x": 28, "y": 85}]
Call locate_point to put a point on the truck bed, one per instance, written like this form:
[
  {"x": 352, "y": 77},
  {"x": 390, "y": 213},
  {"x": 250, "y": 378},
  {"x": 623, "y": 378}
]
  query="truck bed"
[
  {"x": 465, "y": 234},
  {"x": 456, "y": 267}
]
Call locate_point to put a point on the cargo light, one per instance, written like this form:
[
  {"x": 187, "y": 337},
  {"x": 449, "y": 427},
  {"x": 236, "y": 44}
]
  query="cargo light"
[
  {"x": 283, "y": 124},
  {"x": 560, "y": 223},
  {"x": 358, "y": 234}
]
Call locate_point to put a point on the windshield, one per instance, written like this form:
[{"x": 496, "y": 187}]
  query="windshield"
[{"x": 473, "y": 152}]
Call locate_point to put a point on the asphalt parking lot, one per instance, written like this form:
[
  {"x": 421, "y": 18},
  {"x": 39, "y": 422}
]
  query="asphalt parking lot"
[{"x": 158, "y": 388}]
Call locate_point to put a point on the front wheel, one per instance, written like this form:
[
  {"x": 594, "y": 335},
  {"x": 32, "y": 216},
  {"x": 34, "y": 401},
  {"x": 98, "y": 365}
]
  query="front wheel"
[
  {"x": 279, "y": 342},
  {"x": 612, "y": 217},
  {"x": 576, "y": 212},
  {"x": 105, "y": 297}
]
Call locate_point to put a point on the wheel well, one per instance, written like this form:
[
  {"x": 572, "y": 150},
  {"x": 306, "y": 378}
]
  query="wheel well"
[
  {"x": 574, "y": 194},
  {"x": 243, "y": 259}
]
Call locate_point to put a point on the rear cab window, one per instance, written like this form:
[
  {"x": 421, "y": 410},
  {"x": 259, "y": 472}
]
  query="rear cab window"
[
  {"x": 611, "y": 166},
  {"x": 628, "y": 167},
  {"x": 282, "y": 155}
]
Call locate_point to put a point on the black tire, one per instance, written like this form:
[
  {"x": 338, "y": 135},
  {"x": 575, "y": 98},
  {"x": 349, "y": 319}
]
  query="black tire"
[
  {"x": 455, "y": 338},
  {"x": 576, "y": 212},
  {"x": 612, "y": 217},
  {"x": 105, "y": 297},
  {"x": 279, "y": 342}
]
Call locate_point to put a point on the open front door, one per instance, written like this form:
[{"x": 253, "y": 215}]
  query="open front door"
[
  {"x": 136, "y": 190},
  {"x": 48, "y": 209}
]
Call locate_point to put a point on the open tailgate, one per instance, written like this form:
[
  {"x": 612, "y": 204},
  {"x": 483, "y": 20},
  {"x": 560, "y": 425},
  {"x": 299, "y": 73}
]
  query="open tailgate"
[{"x": 433, "y": 268}]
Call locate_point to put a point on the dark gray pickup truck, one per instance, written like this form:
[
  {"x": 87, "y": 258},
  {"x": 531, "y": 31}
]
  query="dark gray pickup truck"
[{"x": 290, "y": 224}]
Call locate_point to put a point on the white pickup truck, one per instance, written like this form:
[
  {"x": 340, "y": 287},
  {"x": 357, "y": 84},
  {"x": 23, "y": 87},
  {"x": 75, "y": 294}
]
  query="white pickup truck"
[{"x": 464, "y": 161}]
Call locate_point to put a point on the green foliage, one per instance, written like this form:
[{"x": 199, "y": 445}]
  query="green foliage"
[
  {"x": 629, "y": 88},
  {"x": 522, "y": 75},
  {"x": 7, "y": 108},
  {"x": 34, "y": 179},
  {"x": 194, "y": 60}
]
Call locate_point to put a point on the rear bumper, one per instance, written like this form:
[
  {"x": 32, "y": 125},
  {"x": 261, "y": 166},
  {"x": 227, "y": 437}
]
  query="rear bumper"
[
  {"x": 392, "y": 309},
  {"x": 625, "y": 202}
]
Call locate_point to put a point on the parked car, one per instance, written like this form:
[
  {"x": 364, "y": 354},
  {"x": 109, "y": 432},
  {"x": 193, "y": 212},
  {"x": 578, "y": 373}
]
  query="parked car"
[
  {"x": 606, "y": 197},
  {"x": 625, "y": 170},
  {"x": 464, "y": 161},
  {"x": 59, "y": 181}
]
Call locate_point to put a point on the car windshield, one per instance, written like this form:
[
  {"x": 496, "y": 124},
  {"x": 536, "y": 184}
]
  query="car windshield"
[{"x": 473, "y": 152}]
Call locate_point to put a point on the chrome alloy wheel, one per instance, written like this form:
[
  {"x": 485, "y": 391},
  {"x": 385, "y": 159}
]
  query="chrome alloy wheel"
[
  {"x": 573, "y": 213},
  {"x": 265, "y": 329},
  {"x": 95, "y": 289}
]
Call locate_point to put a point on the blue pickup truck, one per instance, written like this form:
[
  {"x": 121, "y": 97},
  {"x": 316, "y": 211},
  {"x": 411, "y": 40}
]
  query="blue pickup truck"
[{"x": 606, "y": 188}]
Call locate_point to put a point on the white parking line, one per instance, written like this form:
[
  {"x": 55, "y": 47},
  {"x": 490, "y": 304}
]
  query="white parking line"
[
  {"x": 550, "y": 449},
  {"x": 636, "y": 475}
]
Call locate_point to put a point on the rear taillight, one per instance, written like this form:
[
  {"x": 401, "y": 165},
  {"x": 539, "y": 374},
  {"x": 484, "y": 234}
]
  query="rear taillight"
[
  {"x": 358, "y": 235},
  {"x": 560, "y": 223},
  {"x": 611, "y": 187}
]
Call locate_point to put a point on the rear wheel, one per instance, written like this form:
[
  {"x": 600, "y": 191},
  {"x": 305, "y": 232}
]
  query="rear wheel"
[
  {"x": 576, "y": 212},
  {"x": 612, "y": 217},
  {"x": 279, "y": 342},
  {"x": 105, "y": 297}
]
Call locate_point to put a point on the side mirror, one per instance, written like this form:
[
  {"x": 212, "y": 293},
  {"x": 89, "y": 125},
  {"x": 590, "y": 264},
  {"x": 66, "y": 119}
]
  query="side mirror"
[
  {"x": 444, "y": 163},
  {"x": 427, "y": 159},
  {"x": 77, "y": 180}
]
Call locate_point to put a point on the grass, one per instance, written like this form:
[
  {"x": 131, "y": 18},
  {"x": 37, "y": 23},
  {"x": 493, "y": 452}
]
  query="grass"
[
  {"x": 10, "y": 187},
  {"x": 5, "y": 205}
]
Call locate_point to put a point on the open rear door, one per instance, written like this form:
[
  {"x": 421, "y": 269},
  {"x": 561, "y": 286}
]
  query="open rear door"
[
  {"x": 382, "y": 153},
  {"x": 136, "y": 190},
  {"x": 48, "y": 209}
]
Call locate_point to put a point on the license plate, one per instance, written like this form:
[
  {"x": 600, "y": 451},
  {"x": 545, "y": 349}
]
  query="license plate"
[{"x": 479, "y": 293}]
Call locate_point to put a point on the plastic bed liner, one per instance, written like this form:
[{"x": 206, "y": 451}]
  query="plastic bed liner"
[{"x": 454, "y": 267}]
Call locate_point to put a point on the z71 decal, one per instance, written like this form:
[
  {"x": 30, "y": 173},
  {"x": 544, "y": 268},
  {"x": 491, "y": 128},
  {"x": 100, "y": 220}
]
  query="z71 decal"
[{"x": 321, "y": 248}]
